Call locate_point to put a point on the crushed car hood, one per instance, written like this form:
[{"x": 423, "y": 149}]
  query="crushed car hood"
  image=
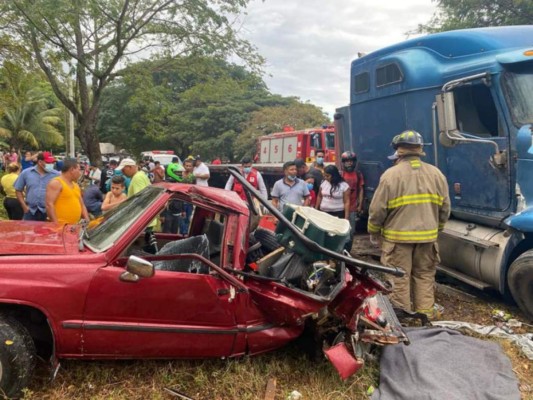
[{"x": 38, "y": 238}]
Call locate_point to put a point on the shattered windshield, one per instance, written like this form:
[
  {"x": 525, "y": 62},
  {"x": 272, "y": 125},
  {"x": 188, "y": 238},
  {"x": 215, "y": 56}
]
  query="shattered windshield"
[
  {"x": 104, "y": 231},
  {"x": 519, "y": 86}
]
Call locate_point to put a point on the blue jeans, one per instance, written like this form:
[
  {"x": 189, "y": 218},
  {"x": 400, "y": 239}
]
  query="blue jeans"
[
  {"x": 38, "y": 216},
  {"x": 186, "y": 220},
  {"x": 354, "y": 217}
]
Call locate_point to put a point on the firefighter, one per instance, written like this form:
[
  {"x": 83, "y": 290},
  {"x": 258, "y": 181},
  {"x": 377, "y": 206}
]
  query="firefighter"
[
  {"x": 252, "y": 175},
  {"x": 354, "y": 179},
  {"x": 410, "y": 206}
]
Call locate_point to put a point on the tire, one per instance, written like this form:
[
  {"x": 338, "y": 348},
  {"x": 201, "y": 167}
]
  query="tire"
[
  {"x": 520, "y": 281},
  {"x": 267, "y": 239},
  {"x": 17, "y": 357},
  {"x": 254, "y": 252}
]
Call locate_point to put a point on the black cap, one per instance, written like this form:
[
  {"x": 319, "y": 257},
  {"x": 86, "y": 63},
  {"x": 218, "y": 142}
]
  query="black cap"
[
  {"x": 299, "y": 162},
  {"x": 246, "y": 160}
]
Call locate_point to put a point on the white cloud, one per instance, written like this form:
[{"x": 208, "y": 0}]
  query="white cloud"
[{"x": 309, "y": 44}]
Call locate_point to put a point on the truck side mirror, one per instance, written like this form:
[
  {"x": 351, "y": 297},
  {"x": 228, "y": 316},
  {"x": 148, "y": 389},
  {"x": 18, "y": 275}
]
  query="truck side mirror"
[
  {"x": 448, "y": 131},
  {"x": 137, "y": 268},
  {"x": 524, "y": 142}
]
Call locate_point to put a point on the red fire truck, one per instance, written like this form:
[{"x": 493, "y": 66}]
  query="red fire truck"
[
  {"x": 277, "y": 148},
  {"x": 290, "y": 144}
]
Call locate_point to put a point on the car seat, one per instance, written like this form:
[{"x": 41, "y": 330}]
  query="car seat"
[
  {"x": 192, "y": 245},
  {"x": 214, "y": 232}
]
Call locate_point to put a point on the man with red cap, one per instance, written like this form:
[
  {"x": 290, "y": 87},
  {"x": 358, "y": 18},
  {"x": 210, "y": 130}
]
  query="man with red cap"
[{"x": 33, "y": 181}]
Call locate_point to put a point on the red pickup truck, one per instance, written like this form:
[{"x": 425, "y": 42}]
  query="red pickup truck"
[{"x": 98, "y": 291}]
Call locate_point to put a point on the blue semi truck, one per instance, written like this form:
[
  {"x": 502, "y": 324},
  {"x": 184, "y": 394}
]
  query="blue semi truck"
[{"x": 470, "y": 94}]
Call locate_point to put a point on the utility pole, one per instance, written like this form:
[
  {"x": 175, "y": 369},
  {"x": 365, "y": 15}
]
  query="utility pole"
[{"x": 71, "y": 152}]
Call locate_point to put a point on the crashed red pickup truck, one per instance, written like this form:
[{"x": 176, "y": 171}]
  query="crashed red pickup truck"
[{"x": 226, "y": 289}]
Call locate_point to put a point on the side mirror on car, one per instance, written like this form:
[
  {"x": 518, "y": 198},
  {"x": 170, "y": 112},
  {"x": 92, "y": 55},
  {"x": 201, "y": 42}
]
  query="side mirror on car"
[{"x": 137, "y": 268}]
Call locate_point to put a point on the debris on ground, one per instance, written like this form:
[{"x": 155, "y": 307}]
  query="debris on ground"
[
  {"x": 270, "y": 392},
  {"x": 177, "y": 394},
  {"x": 294, "y": 395},
  {"x": 523, "y": 341}
]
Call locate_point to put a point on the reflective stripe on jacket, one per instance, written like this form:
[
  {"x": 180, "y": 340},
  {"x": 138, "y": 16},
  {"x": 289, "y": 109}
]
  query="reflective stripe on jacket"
[{"x": 411, "y": 203}]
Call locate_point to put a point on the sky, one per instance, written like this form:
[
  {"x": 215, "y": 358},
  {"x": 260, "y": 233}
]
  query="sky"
[{"x": 309, "y": 44}]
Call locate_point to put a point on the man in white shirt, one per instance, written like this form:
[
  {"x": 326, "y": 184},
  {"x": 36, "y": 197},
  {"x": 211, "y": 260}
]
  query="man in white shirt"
[
  {"x": 201, "y": 172},
  {"x": 95, "y": 175}
]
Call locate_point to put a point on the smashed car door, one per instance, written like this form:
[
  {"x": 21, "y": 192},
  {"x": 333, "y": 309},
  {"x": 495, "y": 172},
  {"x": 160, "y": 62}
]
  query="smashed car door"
[{"x": 172, "y": 314}]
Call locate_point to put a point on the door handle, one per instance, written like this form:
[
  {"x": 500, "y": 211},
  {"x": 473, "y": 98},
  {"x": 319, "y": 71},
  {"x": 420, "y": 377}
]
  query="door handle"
[{"x": 231, "y": 291}]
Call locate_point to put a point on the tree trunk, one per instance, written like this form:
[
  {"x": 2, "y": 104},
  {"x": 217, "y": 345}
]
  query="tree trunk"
[{"x": 88, "y": 137}]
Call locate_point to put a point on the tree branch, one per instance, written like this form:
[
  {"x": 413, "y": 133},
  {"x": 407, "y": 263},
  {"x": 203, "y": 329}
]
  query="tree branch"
[{"x": 53, "y": 81}]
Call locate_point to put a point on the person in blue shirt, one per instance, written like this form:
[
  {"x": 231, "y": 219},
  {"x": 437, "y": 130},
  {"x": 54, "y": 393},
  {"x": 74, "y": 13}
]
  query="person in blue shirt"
[
  {"x": 27, "y": 161},
  {"x": 290, "y": 189},
  {"x": 33, "y": 181},
  {"x": 93, "y": 199}
]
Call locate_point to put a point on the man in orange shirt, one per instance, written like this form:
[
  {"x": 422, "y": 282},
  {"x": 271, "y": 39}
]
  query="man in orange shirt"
[{"x": 63, "y": 195}]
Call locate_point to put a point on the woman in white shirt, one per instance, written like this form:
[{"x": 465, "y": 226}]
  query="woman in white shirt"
[{"x": 334, "y": 194}]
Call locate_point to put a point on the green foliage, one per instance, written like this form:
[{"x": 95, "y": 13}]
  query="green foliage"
[
  {"x": 29, "y": 117},
  {"x": 272, "y": 119},
  {"x": 192, "y": 105},
  {"x": 461, "y": 14},
  {"x": 91, "y": 41}
]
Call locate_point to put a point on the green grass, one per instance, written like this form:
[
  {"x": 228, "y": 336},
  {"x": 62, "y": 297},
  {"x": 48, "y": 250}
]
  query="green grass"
[{"x": 244, "y": 378}]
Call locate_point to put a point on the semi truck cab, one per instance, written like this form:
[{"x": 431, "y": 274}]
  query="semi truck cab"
[{"x": 468, "y": 93}]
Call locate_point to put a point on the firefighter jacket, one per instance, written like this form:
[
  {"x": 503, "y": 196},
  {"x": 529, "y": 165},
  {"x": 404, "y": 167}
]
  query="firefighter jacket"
[{"x": 411, "y": 203}]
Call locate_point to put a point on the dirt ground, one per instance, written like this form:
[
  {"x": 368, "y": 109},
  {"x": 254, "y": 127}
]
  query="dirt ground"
[{"x": 464, "y": 303}]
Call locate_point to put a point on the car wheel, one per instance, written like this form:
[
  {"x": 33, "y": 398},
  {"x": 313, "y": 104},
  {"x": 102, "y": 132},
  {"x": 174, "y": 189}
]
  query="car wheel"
[
  {"x": 267, "y": 239},
  {"x": 520, "y": 280},
  {"x": 17, "y": 357}
]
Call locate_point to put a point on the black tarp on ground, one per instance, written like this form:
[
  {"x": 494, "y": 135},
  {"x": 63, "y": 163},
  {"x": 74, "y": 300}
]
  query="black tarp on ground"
[{"x": 442, "y": 364}]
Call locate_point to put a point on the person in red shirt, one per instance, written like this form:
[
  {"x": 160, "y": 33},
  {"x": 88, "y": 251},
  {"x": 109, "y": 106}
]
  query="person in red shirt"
[
  {"x": 355, "y": 181},
  {"x": 253, "y": 177},
  {"x": 312, "y": 195}
]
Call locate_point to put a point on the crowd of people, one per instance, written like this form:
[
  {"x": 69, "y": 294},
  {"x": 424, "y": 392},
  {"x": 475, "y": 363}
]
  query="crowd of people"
[
  {"x": 43, "y": 188},
  {"x": 324, "y": 187},
  {"x": 39, "y": 187}
]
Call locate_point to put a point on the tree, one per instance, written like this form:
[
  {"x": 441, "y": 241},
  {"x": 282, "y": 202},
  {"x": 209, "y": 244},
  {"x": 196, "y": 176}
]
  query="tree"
[
  {"x": 28, "y": 116},
  {"x": 92, "y": 40},
  {"x": 272, "y": 119},
  {"x": 461, "y": 14},
  {"x": 189, "y": 104}
]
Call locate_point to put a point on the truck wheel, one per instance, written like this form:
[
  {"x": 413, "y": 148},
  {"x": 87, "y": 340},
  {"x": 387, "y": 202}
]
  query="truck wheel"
[
  {"x": 267, "y": 239},
  {"x": 17, "y": 357},
  {"x": 520, "y": 280}
]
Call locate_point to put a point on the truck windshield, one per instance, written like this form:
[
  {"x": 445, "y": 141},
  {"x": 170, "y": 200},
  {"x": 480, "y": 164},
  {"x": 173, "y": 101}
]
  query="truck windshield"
[
  {"x": 519, "y": 86},
  {"x": 114, "y": 223}
]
